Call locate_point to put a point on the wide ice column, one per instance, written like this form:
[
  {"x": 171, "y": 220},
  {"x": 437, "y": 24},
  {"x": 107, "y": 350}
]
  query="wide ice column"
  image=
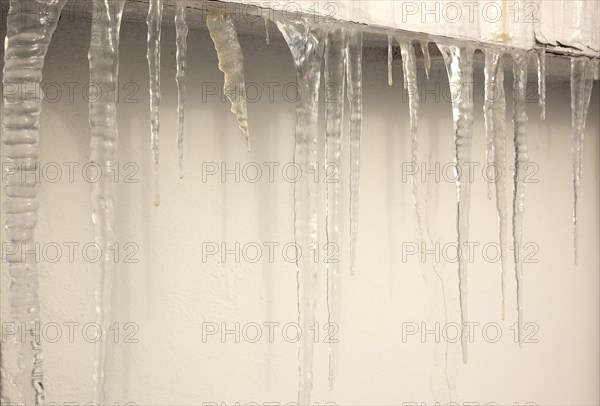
[
  {"x": 104, "y": 65},
  {"x": 459, "y": 64},
  {"x": 306, "y": 43},
  {"x": 29, "y": 29}
]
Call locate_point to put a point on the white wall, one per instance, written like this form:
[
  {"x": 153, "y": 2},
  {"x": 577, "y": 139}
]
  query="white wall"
[{"x": 171, "y": 291}]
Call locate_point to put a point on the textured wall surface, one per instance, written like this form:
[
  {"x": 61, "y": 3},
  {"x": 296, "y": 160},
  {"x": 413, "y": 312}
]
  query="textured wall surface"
[{"x": 172, "y": 290}]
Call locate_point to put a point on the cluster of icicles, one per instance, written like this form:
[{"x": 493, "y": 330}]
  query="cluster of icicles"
[{"x": 339, "y": 49}]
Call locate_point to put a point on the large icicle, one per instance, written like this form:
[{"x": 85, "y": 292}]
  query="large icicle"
[
  {"x": 582, "y": 81},
  {"x": 354, "y": 89},
  {"x": 426, "y": 57},
  {"x": 181, "y": 29},
  {"x": 306, "y": 44},
  {"x": 495, "y": 116},
  {"x": 28, "y": 34},
  {"x": 491, "y": 67},
  {"x": 409, "y": 66},
  {"x": 154, "y": 22},
  {"x": 104, "y": 64},
  {"x": 335, "y": 70},
  {"x": 521, "y": 159},
  {"x": 459, "y": 64},
  {"x": 231, "y": 62},
  {"x": 541, "y": 73}
]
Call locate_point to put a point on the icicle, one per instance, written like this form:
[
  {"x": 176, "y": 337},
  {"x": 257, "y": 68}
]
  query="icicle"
[
  {"x": 495, "y": 116},
  {"x": 426, "y": 57},
  {"x": 409, "y": 66},
  {"x": 521, "y": 158},
  {"x": 154, "y": 22},
  {"x": 335, "y": 69},
  {"x": 491, "y": 67},
  {"x": 596, "y": 63},
  {"x": 390, "y": 60},
  {"x": 459, "y": 64},
  {"x": 104, "y": 64},
  {"x": 354, "y": 86},
  {"x": 306, "y": 44},
  {"x": 541, "y": 72},
  {"x": 182, "y": 32},
  {"x": 28, "y": 35},
  {"x": 582, "y": 81},
  {"x": 267, "y": 32},
  {"x": 231, "y": 62}
]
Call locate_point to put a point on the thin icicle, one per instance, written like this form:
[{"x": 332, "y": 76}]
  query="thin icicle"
[
  {"x": 231, "y": 62},
  {"x": 409, "y": 66},
  {"x": 335, "y": 70},
  {"x": 267, "y": 32},
  {"x": 541, "y": 72},
  {"x": 390, "y": 60},
  {"x": 582, "y": 81},
  {"x": 495, "y": 116},
  {"x": 459, "y": 64},
  {"x": 154, "y": 22},
  {"x": 521, "y": 159},
  {"x": 491, "y": 67},
  {"x": 426, "y": 57},
  {"x": 104, "y": 65},
  {"x": 354, "y": 86},
  {"x": 28, "y": 35},
  {"x": 306, "y": 44},
  {"x": 181, "y": 29}
]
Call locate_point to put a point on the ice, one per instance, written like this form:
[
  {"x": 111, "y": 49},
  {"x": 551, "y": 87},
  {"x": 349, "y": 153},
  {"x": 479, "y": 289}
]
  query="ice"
[
  {"x": 104, "y": 65},
  {"x": 354, "y": 89},
  {"x": 521, "y": 159},
  {"x": 495, "y": 116},
  {"x": 426, "y": 57},
  {"x": 459, "y": 64},
  {"x": 28, "y": 35},
  {"x": 181, "y": 32},
  {"x": 541, "y": 72},
  {"x": 306, "y": 43},
  {"x": 231, "y": 62},
  {"x": 154, "y": 22},
  {"x": 335, "y": 71},
  {"x": 582, "y": 81}
]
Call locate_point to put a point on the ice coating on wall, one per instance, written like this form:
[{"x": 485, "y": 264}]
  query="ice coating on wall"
[
  {"x": 306, "y": 43},
  {"x": 231, "y": 62}
]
